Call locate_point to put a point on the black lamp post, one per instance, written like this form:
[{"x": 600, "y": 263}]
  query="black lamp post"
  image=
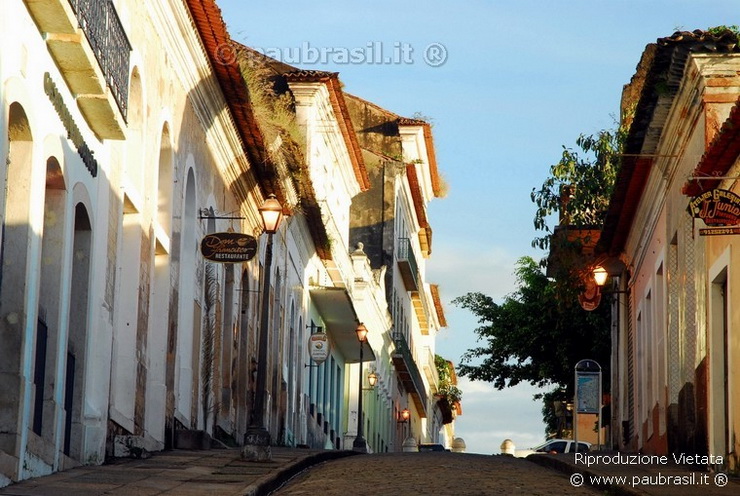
[
  {"x": 257, "y": 437},
  {"x": 360, "y": 444}
]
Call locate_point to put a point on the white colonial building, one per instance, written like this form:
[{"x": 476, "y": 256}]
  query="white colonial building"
[{"x": 130, "y": 131}]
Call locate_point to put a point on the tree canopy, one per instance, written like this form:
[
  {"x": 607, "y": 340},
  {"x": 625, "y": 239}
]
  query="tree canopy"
[
  {"x": 579, "y": 185},
  {"x": 533, "y": 336}
]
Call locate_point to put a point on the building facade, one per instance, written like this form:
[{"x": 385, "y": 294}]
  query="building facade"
[
  {"x": 390, "y": 219},
  {"x": 130, "y": 133},
  {"x": 674, "y": 353}
]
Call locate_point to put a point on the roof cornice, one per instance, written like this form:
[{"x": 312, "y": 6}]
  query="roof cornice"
[
  {"x": 416, "y": 195},
  {"x": 431, "y": 155},
  {"x": 339, "y": 105}
]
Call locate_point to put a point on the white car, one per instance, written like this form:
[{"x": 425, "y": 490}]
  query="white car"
[{"x": 553, "y": 446}]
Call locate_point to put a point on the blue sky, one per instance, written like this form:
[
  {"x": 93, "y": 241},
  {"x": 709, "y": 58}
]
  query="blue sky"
[{"x": 520, "y": 79}]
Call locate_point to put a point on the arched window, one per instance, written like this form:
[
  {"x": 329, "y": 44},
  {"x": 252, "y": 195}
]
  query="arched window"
[
  {"x": 78, "y": 321},
  {"x": 184, "y": 358},
  {"x": 15, "y": 172}
]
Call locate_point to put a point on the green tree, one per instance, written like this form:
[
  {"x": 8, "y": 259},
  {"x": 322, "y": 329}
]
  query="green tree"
[
  {"x": 579, "y": 185},
  {"x": 532, "y": 336}
]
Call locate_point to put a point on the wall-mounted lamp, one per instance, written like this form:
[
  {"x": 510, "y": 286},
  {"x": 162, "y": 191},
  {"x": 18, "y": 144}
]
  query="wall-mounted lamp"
[
  {"x": 600, "y": 275},
  {"x": 404, "y": 416},
  {"x": 372, "y": 379}
]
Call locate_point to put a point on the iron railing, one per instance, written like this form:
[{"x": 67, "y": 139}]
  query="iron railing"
[
  {"x": 405, "y": 253},
  {"x": 102, "y": 27},
  {"x": 402, "y": 348}
]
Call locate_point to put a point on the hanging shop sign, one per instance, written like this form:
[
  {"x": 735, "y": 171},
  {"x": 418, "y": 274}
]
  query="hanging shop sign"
[
  {"x": 318, "y": 347},
  {"x": 228, "y": 247},
  {"x": 720, "y": 211},
  {"x": 590, "y": 297}
]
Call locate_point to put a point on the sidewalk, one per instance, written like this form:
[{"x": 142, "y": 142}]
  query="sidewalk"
[
  {"x": 640, "y": 479},
  {"x": 215, "y": 472}
]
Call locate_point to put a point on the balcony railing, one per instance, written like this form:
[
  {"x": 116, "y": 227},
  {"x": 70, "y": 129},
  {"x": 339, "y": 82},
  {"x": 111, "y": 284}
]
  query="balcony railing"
[
  {"x": 408, "y": 372},
  {"x": 407, "y": 264},
  {"x": 99, "y": 21}
]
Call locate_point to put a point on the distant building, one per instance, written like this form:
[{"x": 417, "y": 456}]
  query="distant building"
[{"x": 390, "y": 219}]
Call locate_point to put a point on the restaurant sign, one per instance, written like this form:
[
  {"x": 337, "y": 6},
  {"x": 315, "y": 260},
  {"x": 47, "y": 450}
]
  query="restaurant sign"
[
  {"x": 228, "y": 247},
  {"x": 719, "y": 209},
  {"x": 318, "y": 346}
]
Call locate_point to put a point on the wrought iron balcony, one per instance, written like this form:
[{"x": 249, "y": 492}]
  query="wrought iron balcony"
[
  {"x": 99, "y": 21},
  {"x": 407, "y": 264},
  {"x": 408, "y": 373},
  {"x": 91, "y": 49}
]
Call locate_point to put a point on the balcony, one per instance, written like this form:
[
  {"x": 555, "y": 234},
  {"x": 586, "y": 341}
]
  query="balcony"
[
  {"x": 408, "y": 373},
  {"x": 430, "y": 369},
  {"x": 421, "y": 308},
  {"x": 407, "y": 264},
  {"x": 91, "y": 49}
]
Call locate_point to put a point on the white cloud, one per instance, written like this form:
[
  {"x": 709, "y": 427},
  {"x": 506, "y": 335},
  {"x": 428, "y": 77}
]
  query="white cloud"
[{"x": 461, "y": 268}]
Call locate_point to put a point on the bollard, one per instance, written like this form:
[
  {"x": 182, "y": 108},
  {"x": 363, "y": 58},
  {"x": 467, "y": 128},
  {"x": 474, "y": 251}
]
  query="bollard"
[
  {"x": 458, "y": 445},
  {"x": 507, "y": 447},
  {"x": 410, "y": 446}
]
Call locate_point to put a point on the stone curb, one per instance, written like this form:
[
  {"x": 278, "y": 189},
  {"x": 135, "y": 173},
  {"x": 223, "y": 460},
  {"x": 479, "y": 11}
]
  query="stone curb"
[
  {"x": 272, "y": 481},
  {"x": 555, "y": 463}
]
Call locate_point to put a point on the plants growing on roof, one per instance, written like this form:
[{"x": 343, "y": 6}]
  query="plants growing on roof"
[
  {"x": 722, "y": 29},
  {"x": 274, "y": 113}
]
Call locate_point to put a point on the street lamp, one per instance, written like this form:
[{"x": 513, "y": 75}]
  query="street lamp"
[
  {"x": 360, "y": 444},
  {"x": 405, "y": 414},
  {"x": 257, "y": 437},
  {"x": 600, "y": 274},
  {"x": 403, "y": 418},
  {"x": 372, "y": 379}
]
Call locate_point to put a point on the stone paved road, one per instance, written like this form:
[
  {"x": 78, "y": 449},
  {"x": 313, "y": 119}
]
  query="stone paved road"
[{"x": 431, "y": 473}]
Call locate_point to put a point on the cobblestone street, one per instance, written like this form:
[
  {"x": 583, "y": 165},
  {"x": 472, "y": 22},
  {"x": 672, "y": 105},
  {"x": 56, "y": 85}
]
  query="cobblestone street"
[{"x": 431, "y": 473}]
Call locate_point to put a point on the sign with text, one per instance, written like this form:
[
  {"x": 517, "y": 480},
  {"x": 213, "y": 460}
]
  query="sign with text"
[
  {"x": 588, "y": 392},
  {"x": 719, "y": 231},
  {"x": 587, "y": 395},
  {"x": 318, "y": 347},
  {"x": 228, "y": 247},
  {"x": 717, "y": 208}
]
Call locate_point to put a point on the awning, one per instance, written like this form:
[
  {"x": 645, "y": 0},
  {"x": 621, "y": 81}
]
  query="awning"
[{"x": 340, "y": 318}]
